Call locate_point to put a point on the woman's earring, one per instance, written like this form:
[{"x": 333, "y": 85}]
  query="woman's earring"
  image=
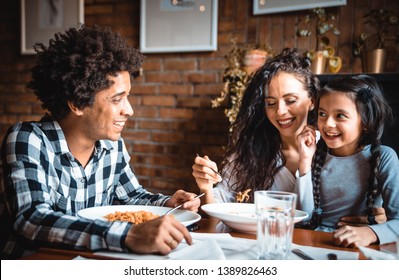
[{"x": 311, "y": 108}]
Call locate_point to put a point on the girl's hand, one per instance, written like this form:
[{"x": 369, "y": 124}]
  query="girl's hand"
[
  {"x": 307, "y": 148},
  {"x": 352, "y": 236},
  {"x": 205, "y": 173}
]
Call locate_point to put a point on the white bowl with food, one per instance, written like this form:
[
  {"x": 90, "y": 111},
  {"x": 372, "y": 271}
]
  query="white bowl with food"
[
  {"x": 240, "y": 216},
  {"x": 183, "y": 216}
]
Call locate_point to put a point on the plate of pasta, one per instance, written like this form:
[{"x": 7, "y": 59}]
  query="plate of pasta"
[
  {"x": 136, "y": 214},
  {"x": 240, "y": 216}
]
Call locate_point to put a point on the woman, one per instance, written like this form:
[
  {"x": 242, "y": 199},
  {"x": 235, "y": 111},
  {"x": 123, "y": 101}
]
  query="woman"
[{"x": 262, "y": 152}]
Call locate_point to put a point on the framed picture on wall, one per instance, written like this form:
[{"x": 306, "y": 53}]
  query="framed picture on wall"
[
  {"x": 178, "y": 26},
  {"x": 41, "y": 19},
  {"x": 279, "y": 6}
]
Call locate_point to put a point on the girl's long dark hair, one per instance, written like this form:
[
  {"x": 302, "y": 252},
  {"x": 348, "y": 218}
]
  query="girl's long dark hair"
[
  {"x": 253, "y": 154},
  {"x": 375, "y": 112}
]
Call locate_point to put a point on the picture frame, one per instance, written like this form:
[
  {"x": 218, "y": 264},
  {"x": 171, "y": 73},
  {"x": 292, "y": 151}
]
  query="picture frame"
[
  {"x": 178, "y": 26},
  {"x": 278, "y": 6},
  {"x": 41, "y": 19}
]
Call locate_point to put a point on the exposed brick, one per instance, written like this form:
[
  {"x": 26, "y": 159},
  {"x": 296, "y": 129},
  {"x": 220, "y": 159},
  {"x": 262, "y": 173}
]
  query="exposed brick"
[
  {"x": 183, "y": 101},
  {"x": 144, "y": 89},
  {"x": 147, "y": 148},
  {"x": 176, "y": 113},
  {"x": 208, "y": 89},
  {"x": 176, "y": 89},
  {"x": 162, "y": 77},
  {"x": 98, "y": 9},
  {"x": 159, "y": 100},
  {"x": 145, "y": 112},
  {"x": 154, "y": 124},
  {"x": 18, "y": 109},
  {"x": 180, "y": 64},
  {"x": 136, "y": 134},
  {"x": 94, "y": 19},
  {"x": 167, "y": 137},
  {"x": 151, "y": 64},
  {"x": 215, "y": 64},
  {"x": 198, "y": 78}
]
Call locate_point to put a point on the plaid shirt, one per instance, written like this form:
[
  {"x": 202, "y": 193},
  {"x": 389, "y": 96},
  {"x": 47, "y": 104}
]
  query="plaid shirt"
[{"x": 45, "y": 186}]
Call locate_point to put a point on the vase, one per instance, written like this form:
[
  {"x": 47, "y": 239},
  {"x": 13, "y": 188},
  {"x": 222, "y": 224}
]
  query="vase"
[
  {"x": 374, "y": 61},
  {"x": 319, "y": 61}
]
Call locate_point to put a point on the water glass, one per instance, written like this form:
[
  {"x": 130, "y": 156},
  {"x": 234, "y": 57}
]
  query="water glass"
[{"x": 275, "y": 212}]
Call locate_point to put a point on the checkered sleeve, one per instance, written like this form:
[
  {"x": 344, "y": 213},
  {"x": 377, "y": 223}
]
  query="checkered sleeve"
[{"x": 34, "y": 207}]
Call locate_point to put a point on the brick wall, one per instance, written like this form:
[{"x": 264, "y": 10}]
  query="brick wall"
[{"x": 173, "y": 119}]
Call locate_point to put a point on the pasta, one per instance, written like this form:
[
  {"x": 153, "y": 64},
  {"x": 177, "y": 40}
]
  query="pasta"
[
  {"x": 243, "y": 196},
  {"x": 135, "y": 217}
]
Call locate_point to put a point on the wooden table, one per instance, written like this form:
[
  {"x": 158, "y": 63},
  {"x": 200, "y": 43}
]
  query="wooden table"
[{"x": 301, "y": 237}]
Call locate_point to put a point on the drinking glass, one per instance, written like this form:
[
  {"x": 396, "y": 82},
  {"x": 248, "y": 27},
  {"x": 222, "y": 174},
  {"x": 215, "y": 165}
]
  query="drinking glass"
[{"x": 275, "y": 212}]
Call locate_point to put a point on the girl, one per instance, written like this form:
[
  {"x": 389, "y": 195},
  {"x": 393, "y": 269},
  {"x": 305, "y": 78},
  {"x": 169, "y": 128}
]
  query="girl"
[
  {"x": 262, "y": 152},
  {"x": 351, "y": 172}
]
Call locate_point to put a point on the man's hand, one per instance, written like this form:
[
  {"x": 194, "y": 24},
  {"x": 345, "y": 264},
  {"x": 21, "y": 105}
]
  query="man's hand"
[
  {"x": 189, "y": 202},
  {"x": 160, "y": 235}
]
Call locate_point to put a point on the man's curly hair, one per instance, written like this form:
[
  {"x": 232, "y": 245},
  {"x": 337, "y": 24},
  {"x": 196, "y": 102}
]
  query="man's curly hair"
[{"x": 77, "y": 64}]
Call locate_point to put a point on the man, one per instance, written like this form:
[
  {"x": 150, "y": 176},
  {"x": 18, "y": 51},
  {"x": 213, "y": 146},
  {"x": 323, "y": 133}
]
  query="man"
[{"x": 75, "y": 158}]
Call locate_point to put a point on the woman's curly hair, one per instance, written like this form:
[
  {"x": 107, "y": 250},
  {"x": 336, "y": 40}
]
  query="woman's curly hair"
[
  {"x": 253, "y": 154},
  {"x": 77, "y": 64}
]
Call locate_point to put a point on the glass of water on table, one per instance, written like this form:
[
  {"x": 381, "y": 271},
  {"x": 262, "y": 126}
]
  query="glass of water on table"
[{"x": 275, "y": 211}]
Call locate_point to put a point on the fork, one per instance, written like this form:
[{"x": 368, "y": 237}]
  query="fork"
[
  {"x": 180, "y": 205},
  {"x": 217, "y": 173}
]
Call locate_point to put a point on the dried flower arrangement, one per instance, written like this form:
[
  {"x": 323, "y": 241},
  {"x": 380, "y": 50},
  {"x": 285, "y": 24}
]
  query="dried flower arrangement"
[
  {"x": 242, "y": 62},
  {"x": 321, "y": 23},
  {"x": 382, "y": 21}
]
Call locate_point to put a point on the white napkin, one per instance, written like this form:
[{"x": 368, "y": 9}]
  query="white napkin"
[
  {"x": 200, "y": 250},
  {"x": 218, "y": 246},
  {"x": 205, "y": 247},
  {"x": 375, "y": 254}
]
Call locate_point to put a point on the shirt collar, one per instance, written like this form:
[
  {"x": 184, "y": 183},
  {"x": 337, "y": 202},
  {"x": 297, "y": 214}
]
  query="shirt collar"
[{"x": 56, "y": 136}]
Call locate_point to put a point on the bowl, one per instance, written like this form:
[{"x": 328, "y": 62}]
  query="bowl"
[{"x": 240, "y": 216}]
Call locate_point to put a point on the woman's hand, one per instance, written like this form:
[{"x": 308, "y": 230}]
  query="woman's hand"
[
  {"x": 307, "y": 148},
  {"x": 205, "y": 173}
]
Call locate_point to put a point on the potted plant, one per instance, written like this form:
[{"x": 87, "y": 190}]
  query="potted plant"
[
  {"x": 322, "y": 24},
  {"x": 373, "y": 48}
]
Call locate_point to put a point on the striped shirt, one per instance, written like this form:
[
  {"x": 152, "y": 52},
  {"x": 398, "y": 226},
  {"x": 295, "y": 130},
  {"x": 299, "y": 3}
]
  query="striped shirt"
[{"x": 45, "y": 187}]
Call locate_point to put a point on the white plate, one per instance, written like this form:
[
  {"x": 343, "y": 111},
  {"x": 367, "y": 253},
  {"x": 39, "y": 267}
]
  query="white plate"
[
  {"x": 97, "y": 213},
  {"x": 240, "y": 216}
]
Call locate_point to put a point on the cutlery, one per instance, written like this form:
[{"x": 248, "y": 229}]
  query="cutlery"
[
  {"x": 332, "y": 256},
  {"x": 180, "y": 205},
  {"x": 219, "y": 175},
  {"x": 301, "y": 254}
]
